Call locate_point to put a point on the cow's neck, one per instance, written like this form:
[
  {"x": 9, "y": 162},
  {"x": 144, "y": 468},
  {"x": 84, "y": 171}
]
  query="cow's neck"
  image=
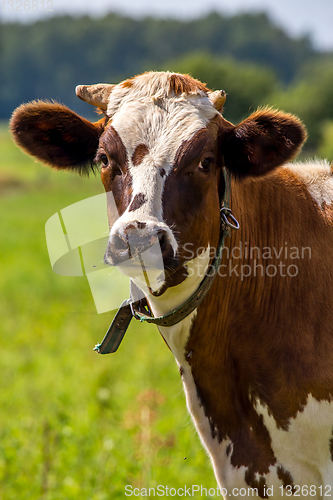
[
  {"x": 176, "y": 336},
  {"x": 175, "y": 297},
  {"x": 214, "y": 348},
  {"x": 236, "y": 341},
  {"x": 224, "y": 329}
]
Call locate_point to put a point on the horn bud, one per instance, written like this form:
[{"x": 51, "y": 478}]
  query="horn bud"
[
  {"x": 218, "y": 99},
  {"x": 97, "y": 95}
]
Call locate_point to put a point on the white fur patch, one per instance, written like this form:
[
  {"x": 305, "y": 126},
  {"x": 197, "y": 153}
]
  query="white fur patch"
[
  {"x": 317, "y": 176},
  {"x": 303, "y": 449},
  {"x": 146, "y": 113}
]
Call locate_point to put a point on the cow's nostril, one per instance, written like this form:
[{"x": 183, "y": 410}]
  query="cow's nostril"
[
  {"x": 118, "y": 243},
  {"x": 163, "y": 240},
  {"x": 168, "y": 255},
  {"x": 117, "y": 251}
]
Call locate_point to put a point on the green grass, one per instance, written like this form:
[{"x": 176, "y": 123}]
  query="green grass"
[{"x": 75, "y": 424}]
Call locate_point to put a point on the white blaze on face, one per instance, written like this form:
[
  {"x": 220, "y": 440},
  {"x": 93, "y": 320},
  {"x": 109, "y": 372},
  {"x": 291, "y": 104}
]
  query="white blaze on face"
[{"x": 161, "y": 125}]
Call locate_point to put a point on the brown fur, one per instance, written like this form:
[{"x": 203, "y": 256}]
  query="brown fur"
[
  {"x": 196, "y": 196},
  {"x": 266, "y": 338},
  {"x": 262, "y": 142},
  {"x": 138, "y": 200},
  {"x": 114, "y": 147},
  {"x": 139, "y": 153},
  {"x": 185, "y": 84},
  {"x": 190, "y": 151},
  {"x": 115, "y": 177},
  {"x": 285, "y": 477},
  {"x": 178, "y": 84},
  {"x": 56, "y": 135},
  {"x": 128, "y": 83}
]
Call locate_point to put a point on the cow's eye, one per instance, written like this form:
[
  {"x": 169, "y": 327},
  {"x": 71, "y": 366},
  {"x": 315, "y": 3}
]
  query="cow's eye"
[
  {"x": 205, "y": 164},
  {"x": 104, "y": 159}
]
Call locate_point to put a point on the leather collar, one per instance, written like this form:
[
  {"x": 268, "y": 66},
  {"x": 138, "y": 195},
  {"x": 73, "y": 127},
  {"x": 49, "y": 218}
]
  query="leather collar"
[{"x": 139, "y": 309}]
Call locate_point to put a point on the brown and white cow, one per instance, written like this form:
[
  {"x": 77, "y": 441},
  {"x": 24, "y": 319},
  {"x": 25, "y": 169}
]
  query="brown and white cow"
[{"x": 256, "y": 357}]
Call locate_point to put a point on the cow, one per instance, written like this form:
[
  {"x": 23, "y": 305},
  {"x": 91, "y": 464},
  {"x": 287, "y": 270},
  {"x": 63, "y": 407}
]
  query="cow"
[{"x": 247, "y": 313}]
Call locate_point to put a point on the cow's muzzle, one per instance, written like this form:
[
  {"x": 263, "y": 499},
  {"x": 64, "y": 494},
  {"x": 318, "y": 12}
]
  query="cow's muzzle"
[{"x": 140, "y": 244}]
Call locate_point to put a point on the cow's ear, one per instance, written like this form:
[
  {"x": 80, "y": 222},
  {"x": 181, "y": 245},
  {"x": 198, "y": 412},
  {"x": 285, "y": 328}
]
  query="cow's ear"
[
  {"x": 55, "y": 135},
  {"x": 262, "y": 142}
]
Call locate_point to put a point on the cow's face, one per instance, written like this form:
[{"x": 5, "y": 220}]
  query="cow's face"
[
  {"x": 161, "y": 146},
  {"x": 159, "y": 158}
]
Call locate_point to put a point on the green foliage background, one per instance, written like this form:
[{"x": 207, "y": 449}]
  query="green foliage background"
[
  {"x": 73, "y": 424},
  {"x": 256, "y": 62}
]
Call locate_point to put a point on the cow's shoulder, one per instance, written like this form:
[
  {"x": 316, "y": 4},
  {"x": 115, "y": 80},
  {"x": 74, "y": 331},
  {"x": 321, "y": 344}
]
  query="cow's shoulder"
[{"x": 317, "y": 175}]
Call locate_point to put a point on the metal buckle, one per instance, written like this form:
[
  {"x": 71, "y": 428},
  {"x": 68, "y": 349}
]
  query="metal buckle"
[
  {"x": 133, "y": 311},
  {"x": 226, "y": 214},
  {"x": 141, "y": 309}
]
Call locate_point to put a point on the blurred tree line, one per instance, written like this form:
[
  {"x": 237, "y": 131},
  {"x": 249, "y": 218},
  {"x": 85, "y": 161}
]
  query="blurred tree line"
[{"x": 256, "y": 62}]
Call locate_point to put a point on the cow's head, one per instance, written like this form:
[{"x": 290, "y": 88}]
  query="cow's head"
[{"x": 161, "y": 145}]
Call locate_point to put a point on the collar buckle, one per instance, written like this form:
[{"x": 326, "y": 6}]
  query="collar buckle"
[{"x": 228, "y": 220}]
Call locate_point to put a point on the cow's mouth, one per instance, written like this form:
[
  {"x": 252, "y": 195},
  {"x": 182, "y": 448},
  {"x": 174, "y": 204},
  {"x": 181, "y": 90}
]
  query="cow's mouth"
[{"x": 155, "y": 266}]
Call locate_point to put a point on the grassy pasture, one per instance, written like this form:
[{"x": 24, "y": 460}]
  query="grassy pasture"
[{"x": 74, "y": 424}]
